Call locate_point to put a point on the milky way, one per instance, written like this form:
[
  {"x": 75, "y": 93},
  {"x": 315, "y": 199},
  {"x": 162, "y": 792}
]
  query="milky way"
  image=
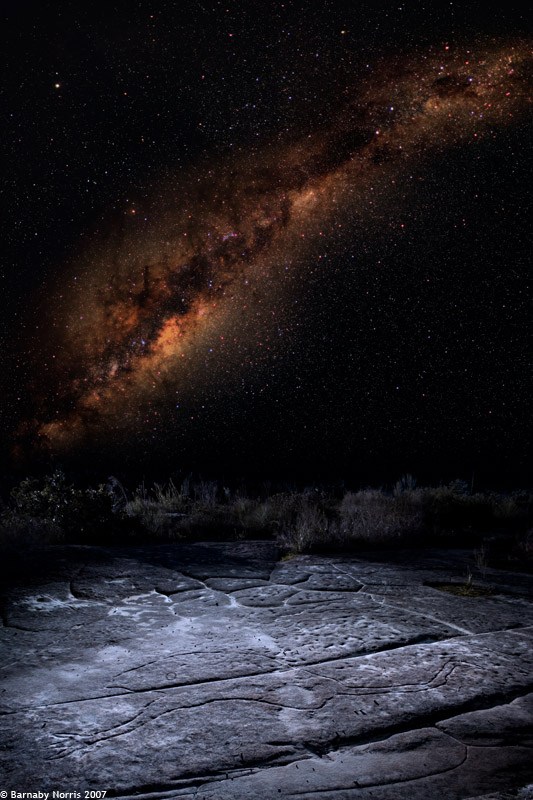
[{"x": 188, "y": 287}]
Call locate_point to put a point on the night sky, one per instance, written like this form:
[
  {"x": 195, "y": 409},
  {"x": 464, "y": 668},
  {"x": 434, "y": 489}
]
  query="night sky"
[{"x": 276, "y": 239}]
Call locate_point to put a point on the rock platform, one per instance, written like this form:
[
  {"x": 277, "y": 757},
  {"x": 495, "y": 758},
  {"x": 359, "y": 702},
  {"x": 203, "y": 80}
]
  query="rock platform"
[{"x": 217, "y": 671}]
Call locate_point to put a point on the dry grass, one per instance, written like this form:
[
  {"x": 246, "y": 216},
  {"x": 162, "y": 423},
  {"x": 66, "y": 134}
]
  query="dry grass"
[{"x": 414, "y": 515}]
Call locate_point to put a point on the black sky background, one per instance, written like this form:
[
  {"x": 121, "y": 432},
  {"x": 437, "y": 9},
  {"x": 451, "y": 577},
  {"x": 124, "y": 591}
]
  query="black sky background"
[{"x": 414, "y": 361}]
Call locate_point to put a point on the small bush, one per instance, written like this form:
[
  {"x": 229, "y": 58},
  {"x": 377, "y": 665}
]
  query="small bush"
[
  {"x": 450, "y": 510},
  {"x": 372, "y": 515},
  {"x": 50, "y": 509},
  {"x": 158, "y": 510},
  {"x": 309, "y": 530}
]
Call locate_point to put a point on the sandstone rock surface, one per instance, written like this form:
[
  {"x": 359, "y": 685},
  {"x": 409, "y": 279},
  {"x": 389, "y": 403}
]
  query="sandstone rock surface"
[{"x": 215, "y": 671}]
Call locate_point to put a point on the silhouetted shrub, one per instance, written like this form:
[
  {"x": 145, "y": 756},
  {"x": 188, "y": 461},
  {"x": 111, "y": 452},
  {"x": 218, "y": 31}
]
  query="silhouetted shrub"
[{"x": 52, "y": 509}]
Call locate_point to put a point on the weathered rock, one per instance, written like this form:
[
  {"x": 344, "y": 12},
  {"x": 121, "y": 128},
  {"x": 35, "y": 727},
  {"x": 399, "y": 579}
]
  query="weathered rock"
[{"x": 216, "y": 671}]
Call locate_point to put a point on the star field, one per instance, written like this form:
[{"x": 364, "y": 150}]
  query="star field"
[{"x": 274, "y": 246}]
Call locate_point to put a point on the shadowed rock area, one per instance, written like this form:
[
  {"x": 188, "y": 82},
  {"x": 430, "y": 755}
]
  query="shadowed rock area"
[{"x": 216, "y": 671}]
